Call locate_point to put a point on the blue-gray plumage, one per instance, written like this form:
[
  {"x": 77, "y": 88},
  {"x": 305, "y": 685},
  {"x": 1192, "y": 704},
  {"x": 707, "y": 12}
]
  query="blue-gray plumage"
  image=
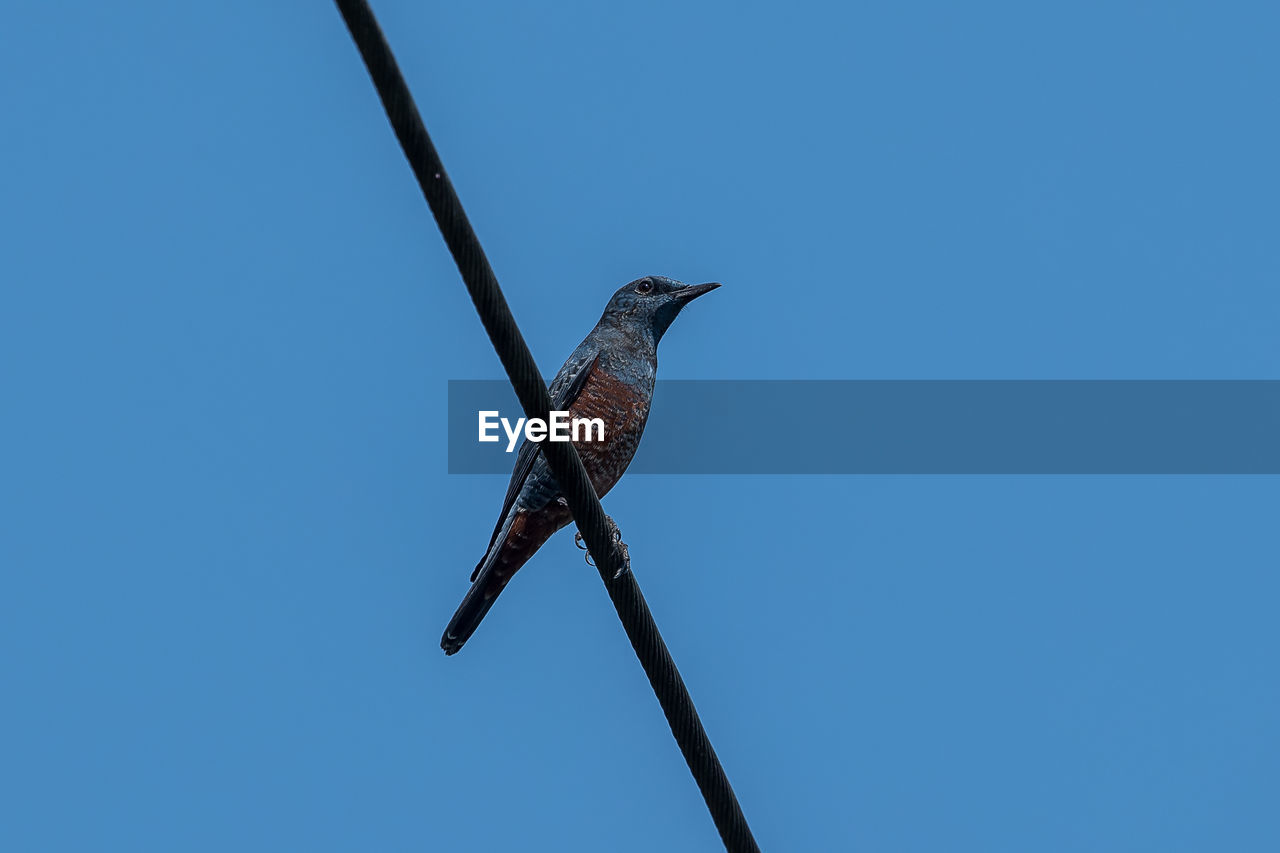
[{"x": 609, "y": 376}]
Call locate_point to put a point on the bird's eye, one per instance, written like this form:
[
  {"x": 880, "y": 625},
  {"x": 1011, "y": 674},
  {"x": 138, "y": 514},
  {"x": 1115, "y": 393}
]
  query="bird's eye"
[{"x": 644, "y": 285}]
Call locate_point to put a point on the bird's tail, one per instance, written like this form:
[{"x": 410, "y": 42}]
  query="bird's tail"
[
  {"x": 517, "y": 540},
  {"x": 481, "y": 596}
]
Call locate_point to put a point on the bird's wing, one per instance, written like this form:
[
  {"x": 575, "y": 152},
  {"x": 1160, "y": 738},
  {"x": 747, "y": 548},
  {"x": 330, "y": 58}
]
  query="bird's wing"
[{"x": 564, "y": 389}]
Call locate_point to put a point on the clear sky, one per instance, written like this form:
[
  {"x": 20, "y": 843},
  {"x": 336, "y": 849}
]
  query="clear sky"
[{"x": 229, "y": 544}]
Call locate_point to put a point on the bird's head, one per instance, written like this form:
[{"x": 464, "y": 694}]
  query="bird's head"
[{"x": 652, "y": 303}]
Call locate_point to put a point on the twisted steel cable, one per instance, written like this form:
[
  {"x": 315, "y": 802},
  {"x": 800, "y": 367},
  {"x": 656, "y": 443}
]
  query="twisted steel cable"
[{"x": 611, "y": 560}]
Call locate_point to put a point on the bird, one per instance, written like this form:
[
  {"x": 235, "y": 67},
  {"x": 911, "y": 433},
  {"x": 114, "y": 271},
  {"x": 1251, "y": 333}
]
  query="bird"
[{"x": 609, "y": 376}]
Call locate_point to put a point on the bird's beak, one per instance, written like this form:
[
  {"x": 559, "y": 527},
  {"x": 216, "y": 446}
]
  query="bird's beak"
[{"x": 690, "y": 292}]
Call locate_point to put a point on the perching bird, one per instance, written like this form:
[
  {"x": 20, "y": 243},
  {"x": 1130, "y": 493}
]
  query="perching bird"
[{"x": 609, "y": 376}]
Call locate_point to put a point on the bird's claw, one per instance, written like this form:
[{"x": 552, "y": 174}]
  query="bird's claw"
[
  {"x": 577, "y": 540},
  {"x": 624, "y": 553},
  {"x": 624, "y": 560}
]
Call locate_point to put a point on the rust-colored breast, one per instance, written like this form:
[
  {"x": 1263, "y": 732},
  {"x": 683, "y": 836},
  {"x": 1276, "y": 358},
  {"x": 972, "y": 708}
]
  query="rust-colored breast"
[{"x": 624, "y": 408}]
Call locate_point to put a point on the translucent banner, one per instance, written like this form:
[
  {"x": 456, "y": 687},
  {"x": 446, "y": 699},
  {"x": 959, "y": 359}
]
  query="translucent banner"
[{"x": 922, "y": 427}]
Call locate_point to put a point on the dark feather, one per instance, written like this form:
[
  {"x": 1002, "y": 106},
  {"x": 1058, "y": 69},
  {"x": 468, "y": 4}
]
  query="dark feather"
[{"x": 564, "y": 390}]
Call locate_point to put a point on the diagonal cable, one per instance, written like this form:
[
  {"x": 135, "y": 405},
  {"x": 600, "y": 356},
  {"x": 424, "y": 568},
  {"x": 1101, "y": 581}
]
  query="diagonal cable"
[{"x": 562, "y": 457}]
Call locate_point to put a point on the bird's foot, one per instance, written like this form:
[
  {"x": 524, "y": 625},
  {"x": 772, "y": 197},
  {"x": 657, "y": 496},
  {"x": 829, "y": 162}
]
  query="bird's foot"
[{"x": 624, "y": 554}]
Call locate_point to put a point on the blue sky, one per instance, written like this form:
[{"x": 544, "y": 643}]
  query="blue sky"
[{"x": 229, "y": 542}]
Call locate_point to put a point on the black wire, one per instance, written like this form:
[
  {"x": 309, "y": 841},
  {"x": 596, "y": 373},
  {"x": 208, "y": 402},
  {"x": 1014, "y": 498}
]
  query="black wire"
[{"x": 536, "y": 402}]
